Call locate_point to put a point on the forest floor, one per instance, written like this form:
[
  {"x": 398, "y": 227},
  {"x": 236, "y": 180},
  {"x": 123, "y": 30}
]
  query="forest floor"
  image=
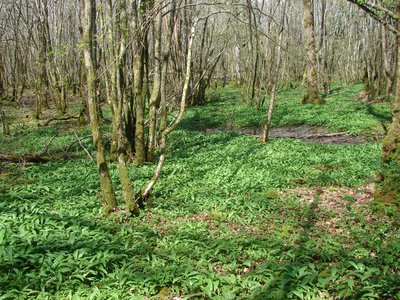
[{"x": 230, "y": 218}]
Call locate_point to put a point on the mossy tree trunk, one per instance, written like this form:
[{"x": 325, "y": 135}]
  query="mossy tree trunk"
[
  {"x": 312, "y": 91},
  {"x": 140, "y": 149},
  {"x": 389, "y": 189},
  {"x": 109, "y": 199},
  {"x": 42, "y": 85},
  {"x": 127, "y": 188},
  {"x": 138, "y": 82}
]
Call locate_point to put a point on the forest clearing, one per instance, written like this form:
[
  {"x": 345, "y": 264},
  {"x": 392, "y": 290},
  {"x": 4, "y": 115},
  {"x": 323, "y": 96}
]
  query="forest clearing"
[{"x": 200, "y": 150}]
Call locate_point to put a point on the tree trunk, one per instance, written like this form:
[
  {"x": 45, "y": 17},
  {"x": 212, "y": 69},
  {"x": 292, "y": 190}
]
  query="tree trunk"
[
  {"x": 155, "y": 93},
  {"x": 140, "y": 153},
  {"x": 164, "y": 70},
  {"x": 108, "y": 194},
  {"x": 389, "y": 189},
  {"x": 127, "y": 188},
  {"x": 268, "y": 121},
  {"x": 43, "y": 86},
  {"x": 312, "y": 90},
  {"x": 145, "y": 192},
  {"x": 6, "y": 127},
  {"x": 139, "y": 88},
  {"x": 388, "y": 70}
]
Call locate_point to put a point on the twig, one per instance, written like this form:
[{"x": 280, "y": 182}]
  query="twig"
[
  {"x": 80, "y": 143},
  {"x": 70, "y": 145},
  {"x": 46, "y": 148}
]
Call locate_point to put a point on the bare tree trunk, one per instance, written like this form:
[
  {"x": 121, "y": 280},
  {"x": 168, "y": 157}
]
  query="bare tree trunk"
[
  {"x": 145, "y": 193},
  {"x": 108, "y": 194},
  {"x": 43, "y": 86},
  {"x": 268, "y": 121},
  {"x": 166, "y": 49},
  {"x": 254, "y": 55},
  {"x": 312, "y": 90}
]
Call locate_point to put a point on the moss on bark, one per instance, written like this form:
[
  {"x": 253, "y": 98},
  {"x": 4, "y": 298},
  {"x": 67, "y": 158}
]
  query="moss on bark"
[
  {"x": 312, "y": 97},
  {"x": 388, "y": 190}
]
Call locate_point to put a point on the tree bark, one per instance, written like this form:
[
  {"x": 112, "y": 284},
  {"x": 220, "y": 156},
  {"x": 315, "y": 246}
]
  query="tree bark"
[
  {"x": 155, "y": 93},
  {"x": 6, "y": 127},
  {"x": 43, "y": 84},
  {"x": 312, "y": 90},
  {"x": 138, "y": 83},
  {"x": 108, "y": 194},
  {"x": 268, "y": 121},
  {"x": 145, "y": 192},
  {"x": 389, "y": 189}
]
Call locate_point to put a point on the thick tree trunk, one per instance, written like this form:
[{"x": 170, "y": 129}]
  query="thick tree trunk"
[
  {"x": 312, "y": 90},
  {"x": 108, "y": 194},
  {"x": 389, "y": 189}
]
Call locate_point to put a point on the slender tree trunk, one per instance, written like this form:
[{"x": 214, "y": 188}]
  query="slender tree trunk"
[
  {"x": 127, "y": 188},
  {"x": 312, "y": 90},
  {"x": 145, "y": 193},
  {"x": 268, "y": 121},
  {"x": 139, "y": 92},
  {"x": 140, "y": 149},
  {"x": 155, "y": 93},
  {"x": 164, "y": 69},
  {"x": 2, "y": 79},
  {"x": 6, "y": 127},
  {"x": 109, "y": 199},
  {"x": 199, "y": 95},
  {"x": 253, "y": 49}
]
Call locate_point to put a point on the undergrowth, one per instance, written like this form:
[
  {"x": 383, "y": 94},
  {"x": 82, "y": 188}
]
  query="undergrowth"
[
  {"x": 228, "y": 219},
  {"x": 340, "y": 113}
]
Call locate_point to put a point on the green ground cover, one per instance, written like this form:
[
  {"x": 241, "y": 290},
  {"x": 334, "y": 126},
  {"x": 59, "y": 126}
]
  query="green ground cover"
[
  {"x": 341, "y": 112},
  {"x": 229, "y": 219}
]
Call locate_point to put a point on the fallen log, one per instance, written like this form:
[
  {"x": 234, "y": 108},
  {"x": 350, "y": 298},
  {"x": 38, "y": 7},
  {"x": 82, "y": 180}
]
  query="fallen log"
[
  {"x": 25, "y": 158},
  {"x": 323, "y": 135},
  {"x": 42, "y": 157},
  {"x": 64, "y": 118}
]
